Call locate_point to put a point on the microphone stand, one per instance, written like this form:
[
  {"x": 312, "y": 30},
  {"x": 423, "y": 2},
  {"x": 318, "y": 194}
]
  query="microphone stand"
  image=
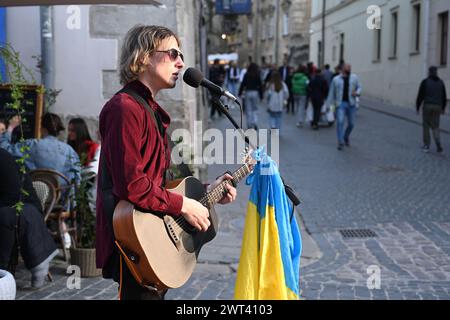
[{"x": 215, "y": 99}]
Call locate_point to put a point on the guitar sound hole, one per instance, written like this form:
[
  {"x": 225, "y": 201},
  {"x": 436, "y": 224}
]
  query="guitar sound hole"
[{"x": 188, "y": 242}]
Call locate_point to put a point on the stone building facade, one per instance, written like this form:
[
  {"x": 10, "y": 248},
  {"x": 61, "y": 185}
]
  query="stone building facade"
[
  {"x": 87, "y": 43},
  {"x": 391, "y": 57},
  {"x": 275, "y": 30}
]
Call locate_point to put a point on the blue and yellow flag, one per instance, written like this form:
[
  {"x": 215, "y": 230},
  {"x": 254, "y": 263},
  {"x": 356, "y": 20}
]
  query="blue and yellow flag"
[{"x": 271, "y": 246}]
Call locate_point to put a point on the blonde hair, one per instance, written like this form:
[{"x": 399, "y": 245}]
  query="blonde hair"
[{"x": 139, "y": 43}]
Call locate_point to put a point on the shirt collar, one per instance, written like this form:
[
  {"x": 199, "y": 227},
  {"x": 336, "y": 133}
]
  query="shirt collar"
[
  {"x": 145, "y": 92},
  {"x": 141, "y": 89},
  {"x": 49, "y": 136}
]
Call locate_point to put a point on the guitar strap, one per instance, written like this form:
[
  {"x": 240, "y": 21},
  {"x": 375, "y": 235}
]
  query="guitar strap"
[{"x": 182, "y": 167}]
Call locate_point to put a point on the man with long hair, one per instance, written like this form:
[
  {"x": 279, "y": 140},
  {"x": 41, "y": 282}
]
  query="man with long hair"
[{"x": 135, "y": 150}]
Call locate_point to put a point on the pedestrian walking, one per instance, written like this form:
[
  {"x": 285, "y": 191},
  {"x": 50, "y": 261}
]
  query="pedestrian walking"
[
  {"x": 343, "y": 92},
  {"x": 299, "y": 90},
  {"x": 328, "y": 74},
  {"x": 276, "y": 97},
  {"x": 318, "y": 91},
  {"x": 433, "y": 96},
  {"x": 217, "y": 76},
  {"x": 233, "y": 76},
  {"x": 253, "y": 88},
  {"x": 290, "y": 102}
]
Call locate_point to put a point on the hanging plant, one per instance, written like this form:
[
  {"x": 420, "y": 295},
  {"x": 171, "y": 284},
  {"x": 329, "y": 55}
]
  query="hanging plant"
[
  {"x": 50, "y": 94},
  {"x": 16, "y": 73}
]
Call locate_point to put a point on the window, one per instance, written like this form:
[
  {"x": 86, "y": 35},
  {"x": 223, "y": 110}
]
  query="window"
[
  {"x": 416, "y": 28},
  {"x": 285, "y": 24},
  {"x": 263, "y": 31},
  {"x": 377, "y": 45},
  {"x": 394, "y": 34},
  {"x": 342, "y": 48},
  {"x": 319, "y": 53},
  {"x": 443, "y": 38},
  {"x": 250, "y": 31},
  {"x": 271, "y": 27}
]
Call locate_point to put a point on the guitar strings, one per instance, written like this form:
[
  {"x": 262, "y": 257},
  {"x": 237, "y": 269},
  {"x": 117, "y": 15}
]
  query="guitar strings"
[{"x": 214, "y": 195}]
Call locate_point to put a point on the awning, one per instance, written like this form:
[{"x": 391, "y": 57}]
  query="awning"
[
  {"x": 224, "y": 58},
  {"x": 12, "y": 3}
]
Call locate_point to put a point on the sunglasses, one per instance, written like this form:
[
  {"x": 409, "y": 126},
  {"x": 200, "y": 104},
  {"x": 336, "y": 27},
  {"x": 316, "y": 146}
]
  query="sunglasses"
[{"x": 173, "y": 54}]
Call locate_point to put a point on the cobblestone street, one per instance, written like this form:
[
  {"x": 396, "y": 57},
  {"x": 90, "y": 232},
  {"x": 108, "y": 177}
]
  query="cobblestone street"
[{"x": 383, "y": 183}]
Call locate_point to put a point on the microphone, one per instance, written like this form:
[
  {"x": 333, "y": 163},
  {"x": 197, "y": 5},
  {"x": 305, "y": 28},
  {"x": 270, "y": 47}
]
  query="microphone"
[{"x": 195, "y": 78}]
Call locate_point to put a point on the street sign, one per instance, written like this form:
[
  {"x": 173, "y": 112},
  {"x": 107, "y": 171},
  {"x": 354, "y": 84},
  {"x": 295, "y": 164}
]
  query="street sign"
[{"x": 233, "y": 6}]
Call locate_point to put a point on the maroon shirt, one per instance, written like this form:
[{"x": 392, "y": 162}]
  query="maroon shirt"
[{"x": 136, "y": 158}]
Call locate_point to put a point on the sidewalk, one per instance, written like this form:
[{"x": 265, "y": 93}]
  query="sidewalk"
[
  {"x": 408, "y": 114},
  {"x": 215, "y": 274}
]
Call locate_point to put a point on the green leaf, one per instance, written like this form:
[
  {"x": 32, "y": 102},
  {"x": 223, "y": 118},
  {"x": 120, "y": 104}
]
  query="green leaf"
[{"x": 25, "y": 192}]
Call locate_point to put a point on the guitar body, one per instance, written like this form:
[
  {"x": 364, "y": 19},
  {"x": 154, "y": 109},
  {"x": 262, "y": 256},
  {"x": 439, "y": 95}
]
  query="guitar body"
[{"x": 162, "y": 251}]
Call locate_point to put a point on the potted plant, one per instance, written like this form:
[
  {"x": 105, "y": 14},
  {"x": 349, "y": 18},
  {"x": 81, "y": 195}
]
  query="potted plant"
[
  {"x": 7, "y": 286},
  {"x": 82, "y": 253}
]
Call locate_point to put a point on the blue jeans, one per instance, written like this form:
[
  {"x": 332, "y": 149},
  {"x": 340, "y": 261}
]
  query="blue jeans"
[
  {"x": 349, "y": 111},
  {"x": 275, "y": 120},
  {"x": 252, "y": 102},
  {"x": 233, "y": 87}
]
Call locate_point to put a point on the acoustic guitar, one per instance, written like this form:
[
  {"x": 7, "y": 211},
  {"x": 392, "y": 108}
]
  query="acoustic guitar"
[{"x": 162, "y": 251}]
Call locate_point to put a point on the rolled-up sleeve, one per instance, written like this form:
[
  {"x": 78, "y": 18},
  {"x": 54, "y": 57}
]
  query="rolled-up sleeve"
[
  {"x": 123, "y": 143},
  {"x": 16, "y": 149}
]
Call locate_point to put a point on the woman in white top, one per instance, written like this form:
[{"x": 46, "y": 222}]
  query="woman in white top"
[{"x": 277, "y": 95}]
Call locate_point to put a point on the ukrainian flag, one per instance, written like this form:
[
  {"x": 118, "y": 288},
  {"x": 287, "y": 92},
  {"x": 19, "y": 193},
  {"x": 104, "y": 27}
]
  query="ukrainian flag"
[{"x": 271, "y": 246}]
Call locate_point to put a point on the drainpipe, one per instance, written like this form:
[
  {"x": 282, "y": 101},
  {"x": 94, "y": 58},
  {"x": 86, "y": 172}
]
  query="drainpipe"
[
  {"x": 2, "y": 43},
  {"x": 47, "y": 47},
  {"x": 277, "y": 31},
  {"x": 256, "y": 40},
  {"x": 426, "y": 36}
]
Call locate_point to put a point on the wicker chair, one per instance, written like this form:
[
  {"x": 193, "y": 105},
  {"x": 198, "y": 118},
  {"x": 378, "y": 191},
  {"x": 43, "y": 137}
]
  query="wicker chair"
[
  {"x": 62, "y": 211},
  {"x": 46, "y": 193}
]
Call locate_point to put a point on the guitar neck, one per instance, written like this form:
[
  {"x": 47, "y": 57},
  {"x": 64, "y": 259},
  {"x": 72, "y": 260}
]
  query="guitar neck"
[{"x": 216, "y": 194}]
